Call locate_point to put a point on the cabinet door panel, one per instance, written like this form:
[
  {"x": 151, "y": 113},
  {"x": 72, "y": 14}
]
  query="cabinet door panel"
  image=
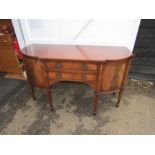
[
  {"x": 112, "y": 75},
  {"x": 35, "y": 71}
]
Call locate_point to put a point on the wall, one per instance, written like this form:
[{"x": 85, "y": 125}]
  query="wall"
[
  {"x": 19, "y": 33},
  {"x": 143, "y": 66},
  {"x": 93, "y": 32}
]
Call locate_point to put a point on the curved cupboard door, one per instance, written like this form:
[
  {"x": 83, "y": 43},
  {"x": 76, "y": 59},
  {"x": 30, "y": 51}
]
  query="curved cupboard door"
[{"x": 114, "y": 75}]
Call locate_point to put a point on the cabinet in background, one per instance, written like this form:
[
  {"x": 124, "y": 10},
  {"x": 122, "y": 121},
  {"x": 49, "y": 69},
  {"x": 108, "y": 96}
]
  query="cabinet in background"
[{"x": 9, "y": 62}]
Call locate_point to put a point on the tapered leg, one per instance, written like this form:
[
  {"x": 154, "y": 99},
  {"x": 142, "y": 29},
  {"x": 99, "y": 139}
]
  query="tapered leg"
[
  {"x": 49, "y": 93},
  {"x": 95, "y": 103},
  {"x": 30, "y": 82},
  {"x": 32, "y": 91},
  {"x": 119, "y": 96}
]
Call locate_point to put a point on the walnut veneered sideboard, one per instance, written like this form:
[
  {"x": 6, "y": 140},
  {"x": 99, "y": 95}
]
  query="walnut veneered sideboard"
[{"x": 104, "y": 68}]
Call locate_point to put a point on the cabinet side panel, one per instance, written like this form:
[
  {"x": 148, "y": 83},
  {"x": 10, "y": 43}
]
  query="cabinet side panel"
[
  {"x": 8, "y": 60},
  {"x": 35, "y": 71},
  {"x": 113, "y": 75}
]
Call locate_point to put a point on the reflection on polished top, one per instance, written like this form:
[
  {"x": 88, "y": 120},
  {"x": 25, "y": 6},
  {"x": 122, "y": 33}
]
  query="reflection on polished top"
[{"x": 76, "y": 52}]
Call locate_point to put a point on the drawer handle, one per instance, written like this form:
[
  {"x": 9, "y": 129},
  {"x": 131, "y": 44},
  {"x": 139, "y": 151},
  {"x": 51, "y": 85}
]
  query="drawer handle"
[
  {"x": 85, "y": 66},
  {"x": 58, "y": 75},
  {"x": 58, "y": 66},
  {"x": 84, "y": 77}
]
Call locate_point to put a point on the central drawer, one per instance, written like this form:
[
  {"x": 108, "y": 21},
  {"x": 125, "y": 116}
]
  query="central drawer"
[
  {"x": 72, "y": 66},
  {"x": 71, "y": 76}
]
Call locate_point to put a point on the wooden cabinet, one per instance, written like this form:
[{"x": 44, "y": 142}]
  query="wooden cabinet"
[
  {"x": 8, "y": 60},
  {"x": 105, "y": 69}
]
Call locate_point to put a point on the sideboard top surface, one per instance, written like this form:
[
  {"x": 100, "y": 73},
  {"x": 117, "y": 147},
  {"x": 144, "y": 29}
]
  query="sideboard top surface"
[{"x": 76, "y": 52}]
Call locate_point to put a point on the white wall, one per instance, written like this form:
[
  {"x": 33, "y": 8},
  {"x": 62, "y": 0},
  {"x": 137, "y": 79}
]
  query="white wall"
[
  {"x": 89, "y": 32},
  {"x": 19, "y": 33}
]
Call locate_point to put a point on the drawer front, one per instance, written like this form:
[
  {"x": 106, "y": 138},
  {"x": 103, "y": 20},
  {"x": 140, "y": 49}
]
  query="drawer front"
[
  {"x": 72, "y": 66},
  {"x": 71, "y": 76},
  {"x": 5, "y": 41}
]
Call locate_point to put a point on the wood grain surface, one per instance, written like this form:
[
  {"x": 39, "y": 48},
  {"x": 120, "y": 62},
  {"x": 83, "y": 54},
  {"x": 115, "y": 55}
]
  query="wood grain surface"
[{"x": 103, "y": 68}]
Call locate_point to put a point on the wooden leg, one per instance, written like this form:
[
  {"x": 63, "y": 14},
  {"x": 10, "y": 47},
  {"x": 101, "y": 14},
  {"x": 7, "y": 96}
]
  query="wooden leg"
[
  {"x": 32, "y": 91},
  {"x": 49, "y": 93},
  {"x": 95, "y": 103},
  {"x": 114, "y": 93},
  {"x": 29, "y": 78},
  {"x": 119, "y": 96}
]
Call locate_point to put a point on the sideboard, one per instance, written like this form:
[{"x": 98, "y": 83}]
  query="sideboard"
[{"x": 104, "y": 68}]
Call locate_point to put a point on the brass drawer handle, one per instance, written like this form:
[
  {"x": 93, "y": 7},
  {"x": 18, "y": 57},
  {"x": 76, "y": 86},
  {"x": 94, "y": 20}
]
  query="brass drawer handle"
[
  {"x": 84, "y": 77},
  {"x": 58, "y": 66},
  {"x": 58, "y": 75},
  {"x": 85, "y": 66}
]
